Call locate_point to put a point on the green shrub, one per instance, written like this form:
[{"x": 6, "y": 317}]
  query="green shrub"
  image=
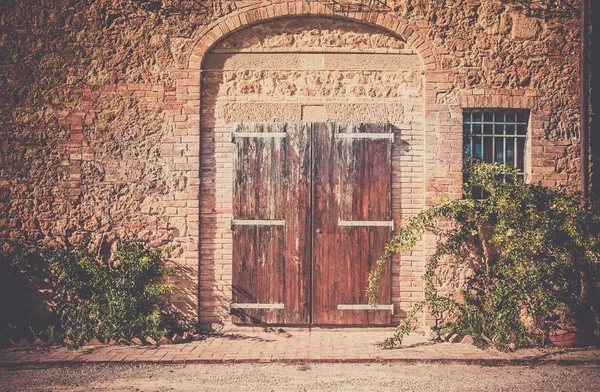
[
  {"x": 533, "y": 252},
  {"x": 124, "y": 297}
]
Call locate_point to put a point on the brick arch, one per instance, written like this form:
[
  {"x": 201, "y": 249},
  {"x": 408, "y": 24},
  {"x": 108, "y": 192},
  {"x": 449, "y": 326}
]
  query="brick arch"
[{"x": 270, "y": 10}]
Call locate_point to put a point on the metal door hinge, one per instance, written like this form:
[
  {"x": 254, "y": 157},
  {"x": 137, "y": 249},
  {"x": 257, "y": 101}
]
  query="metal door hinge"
[
  {"x": 255, "y": 306},
  {"x": 255, "y": 222},
  {"x": 344, "y": 223},
  {"x": 372, "y": 136},
  {"x": 263, "y": 135},
  {"x": 367, "y": 307}
]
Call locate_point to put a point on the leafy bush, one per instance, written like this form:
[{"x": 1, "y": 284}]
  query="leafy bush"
[
  {"x": 533, "y": 254},
  {"x": 121, "y": 298}
]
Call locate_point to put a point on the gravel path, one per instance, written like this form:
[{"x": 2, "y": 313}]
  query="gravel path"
[{"x": 299, "y": 377}]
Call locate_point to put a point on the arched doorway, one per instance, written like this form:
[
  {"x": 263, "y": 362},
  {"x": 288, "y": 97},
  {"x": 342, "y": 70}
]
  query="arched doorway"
[{"x": 312, "y": 147}]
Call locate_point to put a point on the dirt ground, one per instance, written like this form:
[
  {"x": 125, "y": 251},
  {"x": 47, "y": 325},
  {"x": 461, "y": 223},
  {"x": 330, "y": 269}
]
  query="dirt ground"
[{"x": 302, "y": 377}]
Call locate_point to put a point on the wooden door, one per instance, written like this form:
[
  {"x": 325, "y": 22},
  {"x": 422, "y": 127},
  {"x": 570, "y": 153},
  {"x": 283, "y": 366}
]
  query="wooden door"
[
  {"x": 352, "y": 221},
  {"x": 312, "y": 213},
  {"x": 271, "y": 248}
]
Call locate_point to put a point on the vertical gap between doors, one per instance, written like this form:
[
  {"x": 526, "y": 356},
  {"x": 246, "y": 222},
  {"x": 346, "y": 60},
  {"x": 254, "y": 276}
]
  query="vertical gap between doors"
[{"x": 312, "y": 229}]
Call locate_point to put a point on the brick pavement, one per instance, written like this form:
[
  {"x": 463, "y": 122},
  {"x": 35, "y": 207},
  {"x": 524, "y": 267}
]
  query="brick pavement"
[{"x": 294, "y": 345}]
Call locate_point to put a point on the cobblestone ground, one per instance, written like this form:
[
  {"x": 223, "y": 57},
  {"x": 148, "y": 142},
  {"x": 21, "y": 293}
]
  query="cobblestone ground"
[{"x": 372, "y": 377}]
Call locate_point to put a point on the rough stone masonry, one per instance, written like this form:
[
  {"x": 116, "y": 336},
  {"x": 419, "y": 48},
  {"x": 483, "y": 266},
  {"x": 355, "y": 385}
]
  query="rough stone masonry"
[{"x": 114, "y": 114}]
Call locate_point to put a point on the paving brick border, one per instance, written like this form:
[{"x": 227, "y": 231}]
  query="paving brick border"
[{"x": 296, "y": 347}]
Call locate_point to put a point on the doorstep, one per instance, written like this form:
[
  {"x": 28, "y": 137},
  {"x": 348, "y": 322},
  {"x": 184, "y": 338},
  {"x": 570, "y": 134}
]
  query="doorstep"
[{"x": 267, "y": 345}]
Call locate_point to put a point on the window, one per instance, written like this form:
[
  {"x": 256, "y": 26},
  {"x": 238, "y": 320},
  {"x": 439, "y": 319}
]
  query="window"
[{"x": 495, "y": 136}]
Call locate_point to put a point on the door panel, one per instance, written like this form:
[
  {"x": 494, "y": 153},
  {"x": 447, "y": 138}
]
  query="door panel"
[
  {"x": 312, "y": 208},
  {"x": 352, "y": 192},
  {"x": 271, "y": 196}
]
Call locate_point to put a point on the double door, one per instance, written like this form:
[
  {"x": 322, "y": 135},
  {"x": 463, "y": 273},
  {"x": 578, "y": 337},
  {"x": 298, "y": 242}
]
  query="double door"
[{"x": 312, "y": 213}]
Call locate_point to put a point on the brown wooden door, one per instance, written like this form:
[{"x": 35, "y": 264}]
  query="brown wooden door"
[
  {"x": 271, "y": 251},
  {"x": 312, "y": 213},
  {"x": 351, "y": 221}
]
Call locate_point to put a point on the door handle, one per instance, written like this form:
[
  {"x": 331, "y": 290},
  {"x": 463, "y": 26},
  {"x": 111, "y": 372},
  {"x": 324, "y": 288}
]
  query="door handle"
[{"x": 319, "y": 231}]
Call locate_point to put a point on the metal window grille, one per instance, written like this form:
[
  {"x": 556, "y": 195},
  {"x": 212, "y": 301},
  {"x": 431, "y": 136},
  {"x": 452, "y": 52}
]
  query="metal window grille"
[{"x": 495, "y": 136}]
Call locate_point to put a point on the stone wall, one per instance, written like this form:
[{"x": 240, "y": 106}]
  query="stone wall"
[{"x": 100, "y": 105}]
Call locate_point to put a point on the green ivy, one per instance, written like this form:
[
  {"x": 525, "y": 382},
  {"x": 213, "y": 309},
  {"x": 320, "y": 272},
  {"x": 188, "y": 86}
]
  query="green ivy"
[{"x": 533, "y": 253}]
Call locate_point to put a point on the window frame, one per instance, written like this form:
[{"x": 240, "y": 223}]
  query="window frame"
[{"x": 486, "y": 125}]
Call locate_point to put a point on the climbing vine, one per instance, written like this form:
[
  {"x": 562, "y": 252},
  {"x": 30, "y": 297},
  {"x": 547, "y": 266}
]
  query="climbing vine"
[{"x": 532, "y": 252}]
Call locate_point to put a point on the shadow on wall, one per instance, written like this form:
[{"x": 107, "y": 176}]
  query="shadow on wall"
[
  {"x": 23, "y": 303},
  {"x": 184, "y": 295},
  {"x": 595, "y": 101}
]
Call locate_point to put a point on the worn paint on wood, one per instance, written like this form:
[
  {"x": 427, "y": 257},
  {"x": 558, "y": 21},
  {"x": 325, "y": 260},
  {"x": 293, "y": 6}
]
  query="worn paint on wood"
[
  {"x": 271, "y": 263},
  {"x": 352, "y": 182},
  {"x": 311, "y": 264}
]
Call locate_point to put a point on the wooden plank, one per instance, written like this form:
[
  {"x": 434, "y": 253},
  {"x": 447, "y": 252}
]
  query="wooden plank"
[
  {"x": 352, "y": 182},
  {"x": 271, "y": 263}
]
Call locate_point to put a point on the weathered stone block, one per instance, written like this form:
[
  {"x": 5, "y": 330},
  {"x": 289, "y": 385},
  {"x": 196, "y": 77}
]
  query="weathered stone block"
[{"x": 524, "y": 27}]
